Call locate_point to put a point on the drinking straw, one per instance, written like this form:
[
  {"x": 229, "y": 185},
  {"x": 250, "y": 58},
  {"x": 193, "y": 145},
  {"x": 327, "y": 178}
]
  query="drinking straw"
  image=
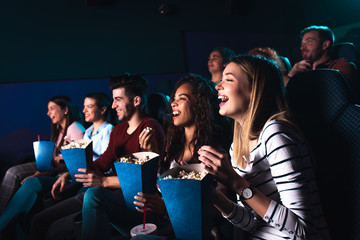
[
  {"x": 144, "y": 220},
  {"x": 39, "y": 137}
]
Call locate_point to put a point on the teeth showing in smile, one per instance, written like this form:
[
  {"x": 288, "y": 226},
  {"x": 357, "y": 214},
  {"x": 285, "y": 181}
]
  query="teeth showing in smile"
[
  {"x": 176, "y": 113},
  {"x": 223, "y": 98}
]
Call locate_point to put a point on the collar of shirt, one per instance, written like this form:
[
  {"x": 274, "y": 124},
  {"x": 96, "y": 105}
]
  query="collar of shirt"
[{"x": 91, "y": 128}]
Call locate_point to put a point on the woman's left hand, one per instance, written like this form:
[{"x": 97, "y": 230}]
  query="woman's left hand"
[
  {"x": 36, "y": 174},
  {"x": 217, "y": 164},
  {"x": 153, "y": 202},
  {"x": 22, "y": 182}
]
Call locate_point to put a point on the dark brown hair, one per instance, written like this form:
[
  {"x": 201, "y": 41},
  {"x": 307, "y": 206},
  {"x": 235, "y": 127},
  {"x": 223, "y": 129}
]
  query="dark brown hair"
[
  {"x": 211, "y": 128},
  {"x": 73, "y": 114}
]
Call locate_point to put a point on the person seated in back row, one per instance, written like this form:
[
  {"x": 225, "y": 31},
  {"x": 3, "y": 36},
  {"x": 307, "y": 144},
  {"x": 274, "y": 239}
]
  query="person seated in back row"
[
  {"x": 272, "y": 54},
  {"x": 316, "y": 47},
  {"x": 218, "y": 59}
]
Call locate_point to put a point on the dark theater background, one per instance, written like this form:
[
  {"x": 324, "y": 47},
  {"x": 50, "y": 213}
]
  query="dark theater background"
[{"x": 71, "y": 47}]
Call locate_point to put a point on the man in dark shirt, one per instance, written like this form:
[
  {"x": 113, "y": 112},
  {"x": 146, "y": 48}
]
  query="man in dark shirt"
[
  {"x": 316, "y": 46},
  {"x": 130, "y": 136}
]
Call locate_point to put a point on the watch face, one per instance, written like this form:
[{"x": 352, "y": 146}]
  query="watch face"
[{"x": 247, "y": 193}]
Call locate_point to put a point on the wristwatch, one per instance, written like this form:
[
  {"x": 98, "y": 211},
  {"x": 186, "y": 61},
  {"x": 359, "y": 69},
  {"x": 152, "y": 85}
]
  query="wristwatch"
[{"x": 247, "y": 193}]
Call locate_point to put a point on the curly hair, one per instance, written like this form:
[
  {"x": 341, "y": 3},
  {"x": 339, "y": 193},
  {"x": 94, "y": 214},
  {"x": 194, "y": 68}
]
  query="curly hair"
[{"x": 211, "y": 128}]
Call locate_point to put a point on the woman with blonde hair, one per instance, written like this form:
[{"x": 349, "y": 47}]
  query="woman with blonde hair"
[{"x": 271, "y": 168}]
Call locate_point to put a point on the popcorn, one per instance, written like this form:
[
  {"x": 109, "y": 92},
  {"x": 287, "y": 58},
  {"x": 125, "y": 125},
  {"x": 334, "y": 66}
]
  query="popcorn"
[
  {"x": 147, "y": 129},
  {"x": 187, "y": 175},
  {"x": 77, "y": 154},
  {"x": 188, "y": 208},
  {"x": 137, "y": 172},
  {"x": 75, "y": 145},
  {"x": 132, "y": 159}
]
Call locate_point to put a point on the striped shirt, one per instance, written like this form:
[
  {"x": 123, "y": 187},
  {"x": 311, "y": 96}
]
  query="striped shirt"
[{"x": 280, "y": 167}]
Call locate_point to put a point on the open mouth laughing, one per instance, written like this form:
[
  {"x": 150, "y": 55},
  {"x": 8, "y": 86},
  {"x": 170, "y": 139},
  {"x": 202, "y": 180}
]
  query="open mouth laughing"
[
  {"x": 223, "y": 99},
  {"x": 175, "y": 113}
]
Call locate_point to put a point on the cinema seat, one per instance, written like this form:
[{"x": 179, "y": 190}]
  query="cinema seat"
[{"x": 324, "y": 108}]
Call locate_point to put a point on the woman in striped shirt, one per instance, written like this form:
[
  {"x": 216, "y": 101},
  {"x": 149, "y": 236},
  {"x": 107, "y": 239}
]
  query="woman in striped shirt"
[{"x": 271, "y": 168}]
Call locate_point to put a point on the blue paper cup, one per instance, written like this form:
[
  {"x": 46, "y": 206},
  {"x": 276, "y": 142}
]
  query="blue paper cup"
[
  {"x": 44, "y": 151},
  {"x": 76, "y": 158},
  {"x": 188, "y": 203},
  {"x": 136, "y": 178}
]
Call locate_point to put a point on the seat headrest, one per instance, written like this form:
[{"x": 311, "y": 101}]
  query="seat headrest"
[
  {"x": 346, "y": 50},
  {"x": 318, "y": 94}
]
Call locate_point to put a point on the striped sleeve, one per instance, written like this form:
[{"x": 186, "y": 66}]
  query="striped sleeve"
[
  {"x": 281, "y": 168},
  {"x": 241, "y": 218},
  {"x": 291, "y": 169}
]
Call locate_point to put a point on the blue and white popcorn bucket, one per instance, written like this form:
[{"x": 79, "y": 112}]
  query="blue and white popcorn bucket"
[
  {"x": 77, "y": 154},
  {"x": 188, "y": 202},
  {"x": 136, "y": 178}
]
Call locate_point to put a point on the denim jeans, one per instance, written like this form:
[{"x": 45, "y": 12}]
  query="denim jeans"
[
  {"x": 103, "y": 208},
  {"x": 49, "y": 218},
  {"x": 33, "y": 189}
]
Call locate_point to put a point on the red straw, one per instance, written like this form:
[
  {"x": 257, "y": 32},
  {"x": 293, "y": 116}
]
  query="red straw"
[
  {"x": 39, "y": 137},
  {"x": 144, "y": 221}
]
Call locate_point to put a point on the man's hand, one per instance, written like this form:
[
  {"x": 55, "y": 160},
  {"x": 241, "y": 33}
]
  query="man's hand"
[
  {"x": 90, "y": 178},
  {"x": 301, "y": 66},
  {"x": 59, "y": 185}
]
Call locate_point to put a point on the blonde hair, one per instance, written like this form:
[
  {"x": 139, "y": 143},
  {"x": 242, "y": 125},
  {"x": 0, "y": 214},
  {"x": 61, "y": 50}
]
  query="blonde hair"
[{"x": 267, "y": 102}]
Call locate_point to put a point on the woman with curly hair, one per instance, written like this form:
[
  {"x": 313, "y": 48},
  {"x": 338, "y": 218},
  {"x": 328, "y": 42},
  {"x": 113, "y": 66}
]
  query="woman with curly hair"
[{"x": 195, "y": 122}]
